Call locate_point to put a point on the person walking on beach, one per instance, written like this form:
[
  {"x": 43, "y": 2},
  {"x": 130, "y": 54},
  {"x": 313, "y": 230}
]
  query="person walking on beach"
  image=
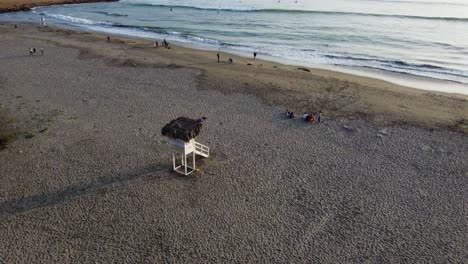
[
  {"x": 230, "y": 61},
  {"x": 34, "y": 51},
  {"x": 319, "y": 115},
  {"x": 217, "y": 55},
  {"x": 165, "y": 44},
  {"x": 255, "y": 55},
  {"x": 42, "y": 51},
  {"x": 30, "y": 51}
]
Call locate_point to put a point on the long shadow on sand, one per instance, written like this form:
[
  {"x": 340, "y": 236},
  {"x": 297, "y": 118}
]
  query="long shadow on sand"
[
  {"x": 19, "y": 57},
  {"x": 62, "y": 196}
]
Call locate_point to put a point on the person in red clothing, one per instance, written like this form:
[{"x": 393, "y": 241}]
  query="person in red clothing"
[{"x": 310, "y": 118}]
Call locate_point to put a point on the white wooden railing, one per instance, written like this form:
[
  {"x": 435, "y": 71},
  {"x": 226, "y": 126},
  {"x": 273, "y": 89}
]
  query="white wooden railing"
[{"x": 202, "y": 150}]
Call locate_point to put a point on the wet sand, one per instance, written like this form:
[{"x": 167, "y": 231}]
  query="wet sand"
[
  {"x": 24, "y": 5},
  {"x": 89, "y": 177}
]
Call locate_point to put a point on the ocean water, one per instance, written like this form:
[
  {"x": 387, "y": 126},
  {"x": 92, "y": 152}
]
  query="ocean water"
[{"x": 421, "y": 38}]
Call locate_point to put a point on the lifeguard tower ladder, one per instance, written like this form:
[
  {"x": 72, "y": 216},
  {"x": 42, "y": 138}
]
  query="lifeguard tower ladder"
[
  {"x": 182, "y": 132},
  {"x": 186, "y": 150}
]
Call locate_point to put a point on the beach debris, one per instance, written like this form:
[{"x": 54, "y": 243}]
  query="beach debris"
[
  {"x": 383, "y": 131},
  {"x": 303, "y": 69},
  {"x": 348, "y": 128}
]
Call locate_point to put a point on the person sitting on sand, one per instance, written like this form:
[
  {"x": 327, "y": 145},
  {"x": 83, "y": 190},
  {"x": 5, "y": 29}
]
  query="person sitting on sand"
[
  {"x": 42, "y": 51},
  {"x": 310, "y": 118},
  {"x": 291, "y": 115},
  {"x": 305, "y": 116},
  {"x": 230, "y": 61}
]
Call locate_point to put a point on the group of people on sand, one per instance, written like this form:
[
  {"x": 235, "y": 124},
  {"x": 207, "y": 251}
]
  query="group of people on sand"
[
  {"x": 306, "y": 117},
  {"x": 33, "y": 51},
  {"x": 230, "y": 60},
  {"x": 164, "y": 43}
]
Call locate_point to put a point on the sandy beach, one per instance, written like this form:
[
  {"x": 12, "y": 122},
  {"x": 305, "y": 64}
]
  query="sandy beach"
[
  {"x": 86, "y": 176},
  {"x": 24, "y": 5}
]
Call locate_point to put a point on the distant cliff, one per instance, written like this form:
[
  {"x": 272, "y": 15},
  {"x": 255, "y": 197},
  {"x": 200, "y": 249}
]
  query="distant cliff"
[{"x": 26, "y": 5}]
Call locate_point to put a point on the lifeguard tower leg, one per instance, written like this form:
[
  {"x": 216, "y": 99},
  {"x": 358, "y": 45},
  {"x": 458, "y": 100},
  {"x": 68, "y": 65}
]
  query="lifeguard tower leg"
[{"x": 193, "y": 158}]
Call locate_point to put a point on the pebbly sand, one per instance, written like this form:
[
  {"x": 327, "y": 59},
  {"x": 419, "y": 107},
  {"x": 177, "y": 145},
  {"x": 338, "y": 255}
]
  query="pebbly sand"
[{"x": 89, "y": 177}]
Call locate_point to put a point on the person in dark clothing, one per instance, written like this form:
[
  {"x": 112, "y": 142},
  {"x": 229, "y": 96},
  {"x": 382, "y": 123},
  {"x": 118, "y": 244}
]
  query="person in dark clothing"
[
  {"x": 218, "y": 57},
  {"x": 255, "y": 55},
  {"x": 108, "y": 39},
  {"x": 319, "y": 115},
  {"x": 34, "y": 51}
]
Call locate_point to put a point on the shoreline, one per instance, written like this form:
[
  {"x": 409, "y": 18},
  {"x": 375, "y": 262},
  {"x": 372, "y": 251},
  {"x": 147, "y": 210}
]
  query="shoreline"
[
  {"x": 398, "y": 78},
  {"x": 7, "y": 6},
  {"x": 401, "y": 79},
  {"x": 339, "y": 95},
  {"x": 90, "y": 176}
]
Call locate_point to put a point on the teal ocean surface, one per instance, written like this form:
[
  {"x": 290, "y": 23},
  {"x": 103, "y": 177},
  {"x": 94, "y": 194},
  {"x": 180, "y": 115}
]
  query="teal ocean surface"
[{"x": 425, "y": 38}]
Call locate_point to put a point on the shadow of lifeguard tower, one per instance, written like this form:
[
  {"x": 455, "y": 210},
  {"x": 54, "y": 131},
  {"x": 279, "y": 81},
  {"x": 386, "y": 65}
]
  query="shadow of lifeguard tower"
[{"x": 182, "y": 132}]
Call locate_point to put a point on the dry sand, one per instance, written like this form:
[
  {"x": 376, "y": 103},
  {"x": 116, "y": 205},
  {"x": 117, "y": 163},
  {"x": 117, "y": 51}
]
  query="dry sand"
[{"x": 88, "y": 177}]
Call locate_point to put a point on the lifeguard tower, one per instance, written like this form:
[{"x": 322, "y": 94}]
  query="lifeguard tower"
[{"x": 182, "y": 132}]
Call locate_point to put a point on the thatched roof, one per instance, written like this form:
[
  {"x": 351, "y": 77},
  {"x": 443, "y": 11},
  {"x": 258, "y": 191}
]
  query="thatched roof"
[{"x": 182, "y": 128}]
